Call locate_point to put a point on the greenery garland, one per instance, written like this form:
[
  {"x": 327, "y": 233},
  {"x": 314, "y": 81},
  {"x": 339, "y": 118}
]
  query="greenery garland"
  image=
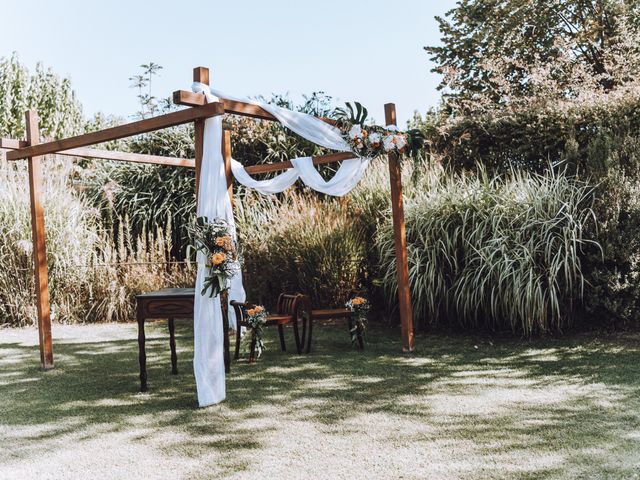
[{"x": 372, "y": 141}]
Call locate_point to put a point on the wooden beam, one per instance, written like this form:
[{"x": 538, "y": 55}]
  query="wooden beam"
[
  {"x": 121, "y": 131},
  {"x": 11, "y": 144},
  {"x": 318, "y": 160},
  {"x": 400, "y": 240},
  {"x": 184, "y": 97},
  {"x": 39, "y": 248},
  {"x": 127, "y": 157}
]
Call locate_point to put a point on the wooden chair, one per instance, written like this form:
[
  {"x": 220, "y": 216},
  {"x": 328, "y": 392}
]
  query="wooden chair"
[
  {"x": 291, "y": 309},
  {"x": 336, "y": 313}
]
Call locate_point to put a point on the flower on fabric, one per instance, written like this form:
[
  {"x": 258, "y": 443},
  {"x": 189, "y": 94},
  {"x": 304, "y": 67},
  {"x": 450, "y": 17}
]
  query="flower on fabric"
[
  {"x": 374, "y": 140},
  {"x": 218, "y": 258},
  {"x": 392, "y": 142},
  {"x": 355, "y": 133}
]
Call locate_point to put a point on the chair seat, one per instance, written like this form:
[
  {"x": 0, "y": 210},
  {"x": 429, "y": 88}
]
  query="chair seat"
[
  {"x": 327, "y": 313},
  {"x": 278, "y": 319}
]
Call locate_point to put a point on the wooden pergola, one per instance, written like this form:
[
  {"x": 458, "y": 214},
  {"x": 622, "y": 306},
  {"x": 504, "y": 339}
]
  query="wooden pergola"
[{"x": 33, "y": 150}]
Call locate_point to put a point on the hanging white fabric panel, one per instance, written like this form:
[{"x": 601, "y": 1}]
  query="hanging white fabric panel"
[{"x": 213, "y": 202}]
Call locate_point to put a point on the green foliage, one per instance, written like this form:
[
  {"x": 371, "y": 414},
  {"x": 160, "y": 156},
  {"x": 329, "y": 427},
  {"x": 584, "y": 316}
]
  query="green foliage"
[
  {"x": 495, "y": 51},
  {"x": 55, "y": 102},
  {"x": 497, "y": 253},
  {"x": 298, "y": 243}
]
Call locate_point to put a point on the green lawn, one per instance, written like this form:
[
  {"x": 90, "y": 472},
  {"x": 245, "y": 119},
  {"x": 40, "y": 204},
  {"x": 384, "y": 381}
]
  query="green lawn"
[{"x": 462, "y": 407}]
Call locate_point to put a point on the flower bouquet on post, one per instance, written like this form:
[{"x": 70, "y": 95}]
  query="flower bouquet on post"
[
  {"x": 359, "y": 306},
  {"x": 256, "y": 319},
  {"x": 213, "y": 238}
]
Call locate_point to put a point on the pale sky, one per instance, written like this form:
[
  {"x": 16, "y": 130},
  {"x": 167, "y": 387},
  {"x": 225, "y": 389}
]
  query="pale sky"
[{"x": 366, "y": 51}]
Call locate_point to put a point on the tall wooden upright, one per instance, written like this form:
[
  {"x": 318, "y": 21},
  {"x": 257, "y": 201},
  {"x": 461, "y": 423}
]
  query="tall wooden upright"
[
  {"x": 200, "y": 74},
  {"x": 400, "y": 240},
  {"x": 39, "y": 248},
  {"x": 226, "y": 155}
]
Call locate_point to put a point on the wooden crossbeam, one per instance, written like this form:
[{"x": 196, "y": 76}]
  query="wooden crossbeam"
[
  {"x": 11, "y": 144},
  {"x": 184, "y": 97},
  {"x": 121, "y": 131},
  {"x": 128, "y": 157},
  {"x": 318, "y": 160}
]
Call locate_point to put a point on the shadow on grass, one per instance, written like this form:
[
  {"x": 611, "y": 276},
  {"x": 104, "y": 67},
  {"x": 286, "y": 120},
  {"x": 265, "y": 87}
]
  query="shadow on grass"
[{"x": 571, "y": 402}]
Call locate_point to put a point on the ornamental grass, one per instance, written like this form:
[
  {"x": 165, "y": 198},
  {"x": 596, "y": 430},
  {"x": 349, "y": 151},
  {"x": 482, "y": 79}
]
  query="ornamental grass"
[{"x": 497, "y": 253}]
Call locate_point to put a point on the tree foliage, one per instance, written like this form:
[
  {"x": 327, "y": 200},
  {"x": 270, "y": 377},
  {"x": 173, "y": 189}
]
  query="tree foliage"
[
  {"x": 496, "y": 51},
  {"x": 52, "y": 97}
]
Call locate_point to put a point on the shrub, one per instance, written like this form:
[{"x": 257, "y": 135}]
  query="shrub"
[
  {"x": 299, "y": 243},
  {"x": 494, "y": 253}
]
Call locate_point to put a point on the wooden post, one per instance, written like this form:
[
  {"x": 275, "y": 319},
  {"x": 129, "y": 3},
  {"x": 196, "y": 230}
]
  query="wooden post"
[
  {"x": 200, "y": 74},
  {"x": 39, "y": 249},
  {"x": 400, "y": 240},
  {"x": 226, "y": 155}
]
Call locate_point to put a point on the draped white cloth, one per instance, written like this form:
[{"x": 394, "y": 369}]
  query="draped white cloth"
[
  {"x": 214, "y": 202},
  {"x": 313, "y": 129}
]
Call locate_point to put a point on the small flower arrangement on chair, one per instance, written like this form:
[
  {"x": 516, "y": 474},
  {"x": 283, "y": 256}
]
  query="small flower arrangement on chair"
[
  {"x": 359, "y": 306},
  {"x": 256, "y": 318}
]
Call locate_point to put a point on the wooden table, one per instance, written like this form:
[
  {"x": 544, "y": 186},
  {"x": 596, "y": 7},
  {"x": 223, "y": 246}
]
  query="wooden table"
[{"x": 167, "y": 303}]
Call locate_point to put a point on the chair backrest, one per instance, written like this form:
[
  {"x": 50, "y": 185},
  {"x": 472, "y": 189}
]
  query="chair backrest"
[
  {"x": 239, "y": 309},
  {"x": 287, "y": 303}
]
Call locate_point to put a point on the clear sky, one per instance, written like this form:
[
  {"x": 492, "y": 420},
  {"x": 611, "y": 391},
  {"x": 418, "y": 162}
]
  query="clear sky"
[{"x": 367, "y": 51}]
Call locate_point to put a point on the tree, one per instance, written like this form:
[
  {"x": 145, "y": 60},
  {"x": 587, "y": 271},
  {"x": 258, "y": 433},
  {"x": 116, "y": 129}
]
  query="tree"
[
  {"x": 53, "y": 98},
  {"x": 499, "y": 50}
]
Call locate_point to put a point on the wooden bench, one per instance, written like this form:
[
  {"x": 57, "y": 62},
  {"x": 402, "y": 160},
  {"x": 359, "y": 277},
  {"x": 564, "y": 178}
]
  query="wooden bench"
[
  {"x": 291, "y": 309},
  {"x": 334, "y": 313}
]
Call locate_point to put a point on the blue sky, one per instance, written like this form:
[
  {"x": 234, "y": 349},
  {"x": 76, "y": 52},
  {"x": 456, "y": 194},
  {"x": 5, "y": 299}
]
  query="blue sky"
[{"x": 367, "y": 51}]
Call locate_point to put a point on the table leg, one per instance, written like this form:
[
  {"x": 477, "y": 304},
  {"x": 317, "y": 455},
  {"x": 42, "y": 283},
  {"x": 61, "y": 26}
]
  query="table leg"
[
  {"x": 142, "y": 355},
  {"x": 172, "y": 344}
]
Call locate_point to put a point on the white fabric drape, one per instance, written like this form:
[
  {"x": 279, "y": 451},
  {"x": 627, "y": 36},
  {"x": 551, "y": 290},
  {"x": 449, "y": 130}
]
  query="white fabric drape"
[
  {"x": 313, "y": 129},
  {"x": 214, "y": 202}
]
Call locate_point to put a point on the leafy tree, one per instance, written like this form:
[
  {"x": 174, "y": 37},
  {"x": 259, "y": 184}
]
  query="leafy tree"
[
  {"x": 59, "y": 111},
  {"x": 495, "y": 51}
]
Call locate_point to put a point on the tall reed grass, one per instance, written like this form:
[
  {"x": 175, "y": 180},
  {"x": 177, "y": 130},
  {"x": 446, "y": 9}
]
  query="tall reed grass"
[
  {"x": 501, "y": 253},
  {"x": 92, "y": 276},
  {"x": 298, "y": 242}
]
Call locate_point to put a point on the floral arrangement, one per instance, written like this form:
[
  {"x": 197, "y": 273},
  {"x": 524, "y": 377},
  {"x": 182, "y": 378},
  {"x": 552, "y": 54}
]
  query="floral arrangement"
[
  {"x": 256, "y": 319},
  {"x": 213, "y": 238},
  {"x": 359, "y": 306},
  {"x": 373, "y": 141}
]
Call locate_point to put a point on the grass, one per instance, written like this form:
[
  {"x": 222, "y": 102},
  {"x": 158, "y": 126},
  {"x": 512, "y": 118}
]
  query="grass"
[{"x": 462, "y": 407}]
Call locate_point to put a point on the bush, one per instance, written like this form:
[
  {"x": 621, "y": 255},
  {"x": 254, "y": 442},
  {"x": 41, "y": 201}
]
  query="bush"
[
  {"x": 298, "y": 243},
  {"x": 501, "y": 253}
]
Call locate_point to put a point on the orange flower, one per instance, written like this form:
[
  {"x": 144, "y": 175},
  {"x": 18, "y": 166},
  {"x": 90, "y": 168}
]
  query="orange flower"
[
  {"x": 217, "y": 258},
  {"x": 225, "y": 242},
  {"x": 259, "y": 309},
  {"x": 358, "y": 301},
  {"x": 251, "y": 312}
]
